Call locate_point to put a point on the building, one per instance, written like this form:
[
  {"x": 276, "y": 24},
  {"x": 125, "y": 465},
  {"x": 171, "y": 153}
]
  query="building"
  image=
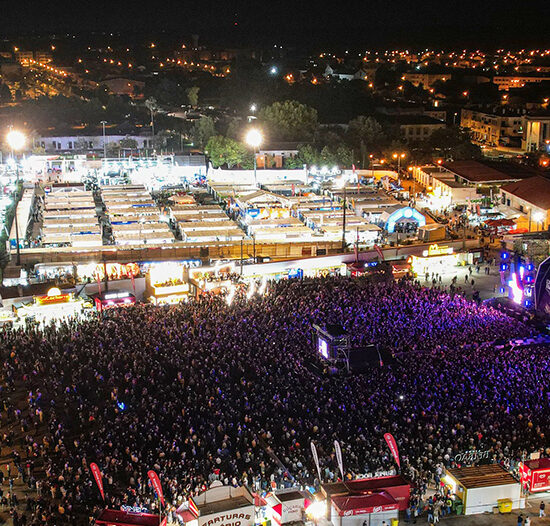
[
  {"x": 90, "y": 143},
  {"x": 506, "y": 82},
  {"x": 499, "y": 127},
  {"x": 536, "y": 133},
  {"x": 427, "y": 80},
  {"x": 24, "y": 57},
  {"x": 44, "y": 57},
  {"x": 124, "y": 86},
  {"x": 416, "y": 128},
  {"x": 530, "y": 197},
  {"x": 274, "y": 155},
  {"x": 442, "y": 188},
  {"x": 344, "y": 73},
  {"x": 487, "y": 176}
]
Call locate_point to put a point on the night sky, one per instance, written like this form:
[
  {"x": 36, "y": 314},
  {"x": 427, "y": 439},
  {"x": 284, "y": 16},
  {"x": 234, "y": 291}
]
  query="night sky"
[{"x": 344, "y": 23}]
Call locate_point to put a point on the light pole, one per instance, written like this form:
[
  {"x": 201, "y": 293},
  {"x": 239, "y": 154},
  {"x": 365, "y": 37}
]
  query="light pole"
[
  {"x": 103, "y": 123},
  {"x": 398, "y": 156},
  {"x": 254, "y": 138},
  {"x": 16, "y": 141}
]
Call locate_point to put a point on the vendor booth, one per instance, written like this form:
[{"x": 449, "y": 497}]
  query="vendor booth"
[
  {"x": 437, "y": 259},
  {"x": 54, "y": 305},
  {"x": 366, "y": 501},
  {"x": 535, "y": 475},
  {"x": 167, "y": 283},
  {"x": 215, "y": 280},
  {"x": 287, "y": 505},
  {"x": 128, "y": 517},
  {"x": 223, "y": 506},
  {"x": 482, "y": 488},
  {"x": 113, "y": 300}
]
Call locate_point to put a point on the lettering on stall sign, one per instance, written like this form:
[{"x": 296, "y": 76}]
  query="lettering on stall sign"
[
  {"x": 232, "y": 519},
  {"x": 378, "y": 474},
  {"x": 133, "y": 509},
  {"x": 472, "y": 455}
]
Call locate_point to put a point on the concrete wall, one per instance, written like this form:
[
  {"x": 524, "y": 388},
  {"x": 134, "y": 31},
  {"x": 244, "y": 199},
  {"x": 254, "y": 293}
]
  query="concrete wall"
[{"x": 267, "y": 176}]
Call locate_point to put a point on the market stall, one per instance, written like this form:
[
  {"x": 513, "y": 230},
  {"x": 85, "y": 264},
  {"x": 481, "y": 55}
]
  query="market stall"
[
  {"x": 287, "y": 505},
  {"x": 480, "y": 488},
  {"x": 535, "y": 475},
  {"x": 52, "y": 306},
  {"x": 437, "y": 259},
  {"x": 167, "y": 283},
  {"x": 113, "y": 300},
  {"x": 369, "y": 500}
]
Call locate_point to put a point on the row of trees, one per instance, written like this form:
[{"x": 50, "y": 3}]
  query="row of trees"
[{"x": 363, "y": 138}]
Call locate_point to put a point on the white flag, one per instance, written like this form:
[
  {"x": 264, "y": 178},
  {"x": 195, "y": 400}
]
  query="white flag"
[
  {"x": 316, "y": 460},
  {"x": 339, "y": 457}
]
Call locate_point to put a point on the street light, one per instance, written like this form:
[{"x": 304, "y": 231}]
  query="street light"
[
  {"x": 16, "y": 141},
  {"x": 398, "y": 156},
  {"x": 254, "y": 139}
]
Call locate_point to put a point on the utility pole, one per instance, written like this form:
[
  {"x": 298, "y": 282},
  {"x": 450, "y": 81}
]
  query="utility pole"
[
  {"x": 344, "y": 222},
  {"x": 103, "y": 123}
]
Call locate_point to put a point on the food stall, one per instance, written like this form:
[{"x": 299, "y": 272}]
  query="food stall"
[
  {"x": 113, "y": 300},
  {"x": 287, "y": 505},
  {"x": 369, "y": 500},
  {"x": 167, "y": 283},
  {"x": 216, "y": 279},
  {"x": 535, "y": 475},
  {"x": 482, "y": 488},
  {"x": 438, "y": 258},
  {"x": 52, "y": 306}
]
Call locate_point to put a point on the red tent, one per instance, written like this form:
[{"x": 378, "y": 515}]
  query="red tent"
[{"x": 376, "y": 502}]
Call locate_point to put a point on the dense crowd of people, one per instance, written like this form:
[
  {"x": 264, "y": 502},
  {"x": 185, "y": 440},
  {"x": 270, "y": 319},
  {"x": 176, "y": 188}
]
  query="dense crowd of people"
[{"x": 204, "y": 391}]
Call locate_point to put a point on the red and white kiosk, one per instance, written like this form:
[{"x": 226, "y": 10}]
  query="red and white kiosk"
[
  {"x": 287, "y": 505},
  {"x": 366, "y": 502},
  {"x": 535, "y": 475}
]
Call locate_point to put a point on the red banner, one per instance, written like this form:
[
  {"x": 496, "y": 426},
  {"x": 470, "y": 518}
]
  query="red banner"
[
  {"x": 392, "y": 444},
  {"x": 155, "y": 481},
  {"x": 98, "y": 478}
]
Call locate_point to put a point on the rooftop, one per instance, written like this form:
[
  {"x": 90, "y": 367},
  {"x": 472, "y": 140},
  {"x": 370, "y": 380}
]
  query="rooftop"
[
  {"x": 482, "y": 476},
  {"x": 489, "y": 172},
  {"x": 535, "y": 190}
]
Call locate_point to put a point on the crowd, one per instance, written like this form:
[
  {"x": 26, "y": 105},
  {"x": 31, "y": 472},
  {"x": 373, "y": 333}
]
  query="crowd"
[{"x": 204, "y": 391}]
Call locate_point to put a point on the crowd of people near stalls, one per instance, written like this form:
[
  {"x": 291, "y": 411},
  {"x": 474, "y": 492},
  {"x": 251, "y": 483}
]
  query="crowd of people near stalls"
[{"x": 205, "y": 391}]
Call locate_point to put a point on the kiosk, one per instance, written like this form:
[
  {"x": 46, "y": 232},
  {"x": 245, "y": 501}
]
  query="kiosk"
[{"x": 535, "y": 475}]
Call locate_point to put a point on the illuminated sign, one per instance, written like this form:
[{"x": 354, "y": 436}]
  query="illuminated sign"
[
  {"x": 134, "y": 509},
  {"x": 323, "y": 348},
  {"x": 404, "y": 213},
  {"x": 436, "y": 250},
  {"x": 54, "y": 296}
]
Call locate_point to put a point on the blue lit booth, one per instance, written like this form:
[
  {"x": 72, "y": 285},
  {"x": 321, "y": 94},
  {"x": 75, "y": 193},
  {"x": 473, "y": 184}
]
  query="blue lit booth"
[{"x": 404, "y": 216}]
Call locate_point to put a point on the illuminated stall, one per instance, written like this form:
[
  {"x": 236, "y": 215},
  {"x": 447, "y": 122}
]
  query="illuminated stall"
[
  {"x": 54, "y": 305},
  {"x": 217, "y": 279},
  {"x": 535, "y": 475},
  {"x": 113, "y": 300},
  {"x": 167, "y": 283},
  {"x": 437, "y": 259}
]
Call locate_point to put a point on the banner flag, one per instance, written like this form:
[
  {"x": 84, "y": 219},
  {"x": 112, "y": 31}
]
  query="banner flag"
[
  {"x": 392, "y": 444},
  {"x": 339, "y": 457},
  {"x": 98, "y": 478},
  {"x": 316, "y": 459},
  {"x": 155, "y": 481}
]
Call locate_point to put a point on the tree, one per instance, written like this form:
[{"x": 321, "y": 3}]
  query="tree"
[
  {"x": 289, "y": 121},
  {"x": 308, "y": 154},
  {"x": 366, "y": 135},
  {"x": 152, "y": 106},
  {"x": 193, "y": 95},
  {"x": 5, "y": 93},
  {"x": 222, "y": 150},
  {"x": 202, "y": 131},
  {"x": 81, "y": 145},
  {"x": 128, "y": 144}
]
